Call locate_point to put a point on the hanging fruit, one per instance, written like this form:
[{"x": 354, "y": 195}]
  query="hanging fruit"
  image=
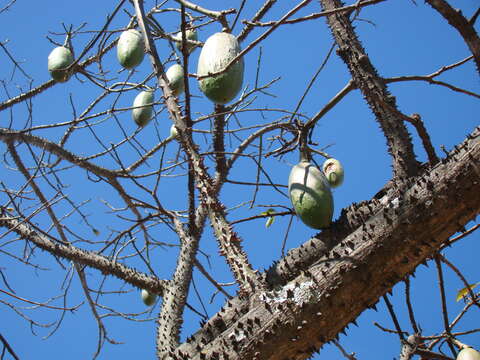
[
  {"x": 175, "y": 78},
  {"x": 468, "y": 353},
  {"x": 310, "y": 194},
  {"x": 130, "y": 49},
  {"x": 143, "y": 108},
  {"x": 217, "y": 52},
  {"x": 58, "y": 61},
  {"x": 190, "y": 34},
  {"x": 148, "y": 298},
  {"x": 333, "y": 170},
  {"x": 173, "y": 132}
]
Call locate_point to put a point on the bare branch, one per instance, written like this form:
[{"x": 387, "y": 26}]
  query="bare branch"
[
  {"x": 7, "y": 345},
  {"x": 347, "y": 9},
  {"x": 441, "y": 285},
  {"x": 461, "y": 24},
  {"x": 70, "y": 252}
]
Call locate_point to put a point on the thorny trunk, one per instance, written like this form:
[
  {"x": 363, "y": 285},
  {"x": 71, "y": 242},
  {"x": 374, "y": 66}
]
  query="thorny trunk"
[
  {"x": 374, "y": 90},
  {"x": 312, "y": 308}
]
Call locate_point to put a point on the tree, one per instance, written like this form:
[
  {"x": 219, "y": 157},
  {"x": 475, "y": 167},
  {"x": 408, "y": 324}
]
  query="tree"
[{"x": 86, "y": 188}]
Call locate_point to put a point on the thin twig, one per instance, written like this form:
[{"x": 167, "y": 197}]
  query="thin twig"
[
  {"x": 473, "y": 298},
  {"x": 8, "y": 347},
  {"x": 444, "y": 303},
  {"x": 359, "y": 4},
  {"x": 394, "y": 317},
  {"x": 41, "y": 304}
]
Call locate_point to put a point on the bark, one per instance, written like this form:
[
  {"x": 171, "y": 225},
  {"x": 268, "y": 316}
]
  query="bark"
[
  {"x": 374, "y": 90},
  {"x": 296, "y": 319}
]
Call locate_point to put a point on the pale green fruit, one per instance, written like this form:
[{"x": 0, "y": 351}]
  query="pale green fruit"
[
  {"x": 333, "y": 170},
  {"x": 173, "y": 132},
  {"x": 148, "y": 298},
  {"x": 190, "y": 34},
  {"x": 142, "y": 115},
  {"x": 130, "y": 49},
  {"x": 175, "y": 79},
  {"x": 217, "y": 52},
  {"x": 310, "y": 194},
  {"x": 59, "y": 59},
  {"x": 468, "y": 354}
]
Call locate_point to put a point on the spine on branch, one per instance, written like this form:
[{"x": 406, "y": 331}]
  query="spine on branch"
[{"x": 374, "y": 90}]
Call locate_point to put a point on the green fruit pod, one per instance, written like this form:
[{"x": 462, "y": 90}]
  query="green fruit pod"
[
  {"x": 310, "y": 194},
  {"x": 468, "y": 354},
  {"x": 175, "y": 79},
  {"x": 217, "y": 52},
  {"x": 130, "y": 49},
  {"x": 333, "y": 170},
  {"x": 148, "y": 298},
  {"x": 190, "y": 34},
  {"x": 59, "y": 59},
  {"x": 143, "y": 108}
]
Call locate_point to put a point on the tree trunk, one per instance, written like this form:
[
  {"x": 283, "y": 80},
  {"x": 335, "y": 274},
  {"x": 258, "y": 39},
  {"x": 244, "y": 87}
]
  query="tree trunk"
[{"x": 294, "y": 320}]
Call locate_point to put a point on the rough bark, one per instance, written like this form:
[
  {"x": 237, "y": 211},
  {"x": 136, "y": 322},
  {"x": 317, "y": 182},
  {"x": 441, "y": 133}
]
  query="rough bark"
[
  {"x": 374, "y": 90},
  {"x": 294, "y": 320}
]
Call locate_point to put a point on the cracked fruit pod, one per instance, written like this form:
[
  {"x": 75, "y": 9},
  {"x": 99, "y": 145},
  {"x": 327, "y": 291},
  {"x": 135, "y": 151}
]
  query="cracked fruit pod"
[
  {"x": 468, "y": 354},
  {"x": 333, "y": 170},
  {"x": 175, "y": 79},
  {"x": 310, "y": 194},
  {"x": 59, "y": 59},
  {"x": 217, "y": 52},
  {"x": 148, "y": 298},
  {"x": 130, "y": 49},
  {"x": 142, "y": 114}
]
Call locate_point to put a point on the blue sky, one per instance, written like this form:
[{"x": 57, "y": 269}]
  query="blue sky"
[{"x": 400, "y": 37}]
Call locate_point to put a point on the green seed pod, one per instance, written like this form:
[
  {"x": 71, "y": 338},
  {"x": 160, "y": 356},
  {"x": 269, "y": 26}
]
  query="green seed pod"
[
  {"x": 190, "y": 34},
  {"x": 468, "y": 354},
  {"x": 142, "y": 115},
  {"x": 148, "y": 298},
  {"x": 175, "y": 79},
  {"x": 130, "y": 49},
  {"x": 333, "y": 170},
  {"x": 310, "y": 195},
  {"x": 217, "y": 52},
  {"x": 59, "y": 59}
]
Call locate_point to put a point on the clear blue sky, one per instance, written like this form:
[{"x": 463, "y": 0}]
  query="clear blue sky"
[{"x": 401, "y": 38}]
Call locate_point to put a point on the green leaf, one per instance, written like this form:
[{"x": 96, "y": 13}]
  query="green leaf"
[
  {"x": 461, "y": 293},
  {"x": 268, "y": 212},
  {"x": 269, "y": 221}
]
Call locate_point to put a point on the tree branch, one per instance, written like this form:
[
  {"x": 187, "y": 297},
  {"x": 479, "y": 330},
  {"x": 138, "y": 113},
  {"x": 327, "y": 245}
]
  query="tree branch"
[
  {"x": 84, "y": 257},
  {"x": 8, "y": 347},
  {"x": 311, "y": 309},
  {"x": 461, "y": 24},
  {"x": 229, "y": 241},
  {"x": 374, "y": 90}
]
